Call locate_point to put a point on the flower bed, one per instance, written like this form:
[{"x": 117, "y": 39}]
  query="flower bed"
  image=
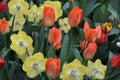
[{"x": 59, "y": 40}]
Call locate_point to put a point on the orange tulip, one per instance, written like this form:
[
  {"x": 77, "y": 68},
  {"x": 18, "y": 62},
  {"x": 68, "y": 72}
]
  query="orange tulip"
[
  {"x": 99, "y": 31},
  {"x": 53, "y": 67},
  {"x": 84, "y": 44},
  {"x": 49, "y": 16},
  {"x": 55, "y": 37},
  {"x": 75, "y": 16},
  {"x": 90, "y": 51},
  {"x": 91, "y": 34},
  {"x": 4, "y": 27},
  {"x": 86, "y": 27},
  {"x": 2, "y": 62}
]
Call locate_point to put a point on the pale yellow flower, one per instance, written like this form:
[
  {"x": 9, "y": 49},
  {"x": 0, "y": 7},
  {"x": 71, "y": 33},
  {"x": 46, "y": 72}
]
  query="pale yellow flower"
[
  {"x": 28, "y": 53},
  {"x": 18, "y": 6},
  {"x": 20, "y": 43},
  {"x": 35, "y": 13},
  {"x": 18, "y": 22},
  {"x": 73, "y": 71},
  {"x": 64, "y": 25},
  {"x": 57, "y": 7},
  {"x": 34, "y": 65},
  {"x": 96, "y": 69}
]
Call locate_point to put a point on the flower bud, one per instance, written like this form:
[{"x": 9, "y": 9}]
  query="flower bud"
[
  {"x": 49, "y": 16},
  {"x": 75, "y": 16},
  {"x": 53, "y": 67},
  {"x": 4, "y": 27}
]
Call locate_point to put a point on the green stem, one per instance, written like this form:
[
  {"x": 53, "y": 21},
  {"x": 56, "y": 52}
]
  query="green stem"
[
  {"x": 69, "y": 40},
  {"x": 5, "y": 40},
  {"x": 46, "y": 47},
  {"x": 11, "y": 31},
  {"x": 85, "y": 62},
  {"x": 113, "y": 75}
]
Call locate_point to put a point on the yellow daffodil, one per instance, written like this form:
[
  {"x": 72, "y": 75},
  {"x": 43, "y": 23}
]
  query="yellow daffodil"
[
  {"x": 28, "y": 53},
  {"x": 34, "y": 65},
  {"x": 73, "y": 71},
  {"x": 20, "y": 43},
  {"x": 96, "y": 69},
  {"x": 57, "y": 7},
  {"x": 18, "y": 22},
  {"x": 35, "y": 14},
  {"x": 18, "y": 6},
  {"x": 64, "y": 25}
]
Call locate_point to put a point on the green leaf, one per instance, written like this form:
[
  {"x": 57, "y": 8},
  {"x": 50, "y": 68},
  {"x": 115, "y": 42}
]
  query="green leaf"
[
  {"x": 51, "y": 52},
  {"x": 114, "y": 13},
  {"x": 114, "y": 31},
  {"x": 12, "y": 70},
  {"x": 91, "y": 5},
  {"x": 31, "y": 3},
  {"x": 36, "y": 46},
  {"x": 76, "y": 3},
  {"x": 64, "y": 49},
  {"x": 77, "y": 54},
  {"x": 42, "y": 36},
  {"x": 71, "y": 56},
  {"x": 2, "y": 41},
  {"x": 3, "y": 74},
  {"x": 4, "y": 52},
  {"x": 66, "y": 6}
]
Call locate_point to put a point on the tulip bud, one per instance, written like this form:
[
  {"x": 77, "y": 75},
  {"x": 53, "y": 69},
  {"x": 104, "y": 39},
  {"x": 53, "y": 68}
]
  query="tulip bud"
[
  {"x": 90, "y": 51},
  {"x": 84, "y": 44},
  {"x": 55, "y": 37},
  {"x": 75, "y": 16},
  {"x": 3, "y": 7},
  {"x": 53, "y": 67},
  {"x": 49, "y": 16},
  {"x": 4, "y": 27}
]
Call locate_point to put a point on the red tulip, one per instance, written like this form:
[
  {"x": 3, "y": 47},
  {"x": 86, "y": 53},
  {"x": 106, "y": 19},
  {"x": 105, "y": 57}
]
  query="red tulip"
[
  {"x": 53, "y": 67},
  {"x": 3, "y": 7},
  {"x": 4, "y": 27},
  {"x": 49, "y": 16},
  {"x": 84, "y": 44},
  {"x": 115, "y": 61},
  {"x": 103, "y": 38},
  {"x": 2, "y": 62},
  {"x": 90, "y": 51},
  {"x": 75, "y": 16},
  {"x": 55, "y": 37}
]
